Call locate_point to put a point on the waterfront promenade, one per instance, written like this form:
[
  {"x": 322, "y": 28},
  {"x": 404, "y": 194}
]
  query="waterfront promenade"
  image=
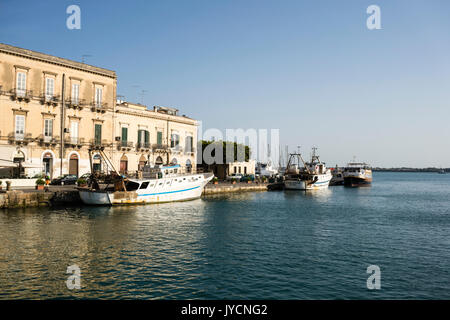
[{"x": 68, "y": 195}]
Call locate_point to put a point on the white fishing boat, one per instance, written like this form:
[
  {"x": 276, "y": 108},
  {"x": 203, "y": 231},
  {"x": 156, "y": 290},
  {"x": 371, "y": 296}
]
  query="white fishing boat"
[
  {"x": 301, "y": 175},
  {"x": 357, "y": 174},
  {"x": 158, "y": 185}
]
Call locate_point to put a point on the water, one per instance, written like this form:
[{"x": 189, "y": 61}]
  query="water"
[{"x": 267, "y": 245}]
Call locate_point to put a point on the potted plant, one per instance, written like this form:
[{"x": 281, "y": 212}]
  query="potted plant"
[
  {"x": 81, "y": 182},
  {"x": 216, "y": 180},
  {"x": 233, "y": 181},
  {"x": 40, "y": 184}
]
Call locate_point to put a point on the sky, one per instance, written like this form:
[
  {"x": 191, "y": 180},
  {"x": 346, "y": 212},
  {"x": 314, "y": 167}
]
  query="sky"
[{"x": 311, "y": 69}]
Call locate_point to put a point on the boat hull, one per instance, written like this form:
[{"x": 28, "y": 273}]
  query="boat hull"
[
  {"x": 305, "y": 185},
  {"x": 357, "y": 182},
  {"x": 169, "y": 191}
]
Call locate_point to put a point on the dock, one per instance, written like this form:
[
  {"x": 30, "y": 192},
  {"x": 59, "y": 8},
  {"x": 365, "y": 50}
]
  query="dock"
[
  {"x": 68, "y": 195},
  {"x": 226, "y": 187}
]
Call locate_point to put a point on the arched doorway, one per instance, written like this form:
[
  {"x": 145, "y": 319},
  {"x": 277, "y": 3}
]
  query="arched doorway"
[
  {"x": 142, "y": 163},
  {"x": 159, "y": 161},
  {"x": 73, "y": 164},
  {"x": 19, "y": 158},
  {"x": 47, "y": 161},
  {"x": 96, "y": 163},
  {"x": 188, "y": 166},
  {"x": 123, "y": 165}
]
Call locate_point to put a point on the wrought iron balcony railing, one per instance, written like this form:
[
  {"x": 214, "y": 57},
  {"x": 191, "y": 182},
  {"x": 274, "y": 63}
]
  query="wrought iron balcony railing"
[
  {"x": 74, "y": 141},
  {"x": 98, "y": 144},
  {"x": 21, "y": 94},
  {"x": 99, "y": 106},
  {"x": 125, "y": 145},
  {"x": 19, "y": 138},
  {"x": 160, "y": 147},
  {"x": 49, "y": 99},
  {"x": 75, "y": 103},
  {"x": 143, "y": 146},
  {"x": 48, "y": 140}
]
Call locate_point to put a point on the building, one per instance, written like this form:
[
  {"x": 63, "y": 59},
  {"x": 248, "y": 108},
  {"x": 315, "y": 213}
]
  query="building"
[
  {"x": 55, "y": 110},
  {"x": 158, "y": 136},
  {"x": 222, "y": 171}
]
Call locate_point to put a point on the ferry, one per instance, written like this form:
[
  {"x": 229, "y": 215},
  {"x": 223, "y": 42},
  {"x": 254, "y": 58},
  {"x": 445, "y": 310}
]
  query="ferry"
[
  {"x": 157, "y": 185},
  {"x": 357, "y": 174},
  {"x": 312, "y": 175}
]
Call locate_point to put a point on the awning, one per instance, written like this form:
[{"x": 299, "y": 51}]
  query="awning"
[
  {"x": 31, "y": 165},
  {"x": 7, "y": 164}
]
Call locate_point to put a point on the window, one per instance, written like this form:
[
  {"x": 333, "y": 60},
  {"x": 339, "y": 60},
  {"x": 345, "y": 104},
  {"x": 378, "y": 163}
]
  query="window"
[
  {"x": 21, "y": 85},
  {"x": 20, "y": 127},
  {"x": 98, "y": 134},
  {"x": 144, "y": 185},
  {"x": 245, "y": 170},
  {"x": 235, "y": 169},
  {"x": 239, "y": 169},
  {"x": 74, "y": 132},
  {"x": 159, "y": 138},
  {"x": 124, "y": 134},
  {"x": 143, "y": 137},
  {"x": 75, "y": 93},
  {"x": 189, "y": 143},
  {"x": 175, "y": 140},
  {"x": 49, "y": 88},
  {"x": 48, "y": 129},
  {"x": 98, "y": 97}
]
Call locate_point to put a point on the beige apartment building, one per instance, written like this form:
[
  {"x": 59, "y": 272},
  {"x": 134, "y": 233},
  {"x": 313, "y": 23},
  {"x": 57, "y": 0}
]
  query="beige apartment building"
[
  {"x": 154, "y": 137},
  {"x": 54, "y": 110}
]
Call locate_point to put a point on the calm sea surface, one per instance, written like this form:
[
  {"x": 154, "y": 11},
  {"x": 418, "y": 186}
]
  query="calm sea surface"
[{"x": 267, "y": 245}]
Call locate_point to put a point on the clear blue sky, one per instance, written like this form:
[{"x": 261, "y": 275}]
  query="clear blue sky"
[{"x": 310, "y": 68}]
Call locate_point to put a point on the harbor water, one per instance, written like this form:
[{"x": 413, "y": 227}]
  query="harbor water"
[{"x": 255, "y": 245}]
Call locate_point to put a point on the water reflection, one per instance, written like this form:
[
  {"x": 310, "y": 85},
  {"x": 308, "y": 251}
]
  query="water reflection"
[{"x": 262, "y": 245}]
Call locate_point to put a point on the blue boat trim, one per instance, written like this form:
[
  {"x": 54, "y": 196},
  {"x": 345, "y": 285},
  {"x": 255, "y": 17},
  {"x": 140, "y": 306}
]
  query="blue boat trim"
[
  {"x": 321, "y": 182},
  {"x": 155, "y": 194}
]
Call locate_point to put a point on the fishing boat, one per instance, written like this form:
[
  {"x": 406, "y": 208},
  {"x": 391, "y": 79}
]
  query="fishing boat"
[
  {"x": 357, "y": 174},
  {"x": 158, "y": 184},
  {"x": 301, "y": 175},
  {"x": 338, "y": 177}
]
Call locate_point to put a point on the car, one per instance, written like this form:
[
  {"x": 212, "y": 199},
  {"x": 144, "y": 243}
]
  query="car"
[
  {"x": 64, "y": 180},
  {"x": 235, "y": 176}
]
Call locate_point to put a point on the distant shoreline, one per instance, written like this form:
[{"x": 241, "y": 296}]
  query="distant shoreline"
[{"x": 435, "y": 170}]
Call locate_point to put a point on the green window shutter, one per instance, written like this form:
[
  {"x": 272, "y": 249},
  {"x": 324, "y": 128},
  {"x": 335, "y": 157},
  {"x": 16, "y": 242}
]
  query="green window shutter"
[
  {"x": 139, "y": 136},
  {"x": 147, "y": 136},
  {"x": 124, "y": 134},
  {"x": 159, "y": 138},
  {"x": 98, "y": 133}
]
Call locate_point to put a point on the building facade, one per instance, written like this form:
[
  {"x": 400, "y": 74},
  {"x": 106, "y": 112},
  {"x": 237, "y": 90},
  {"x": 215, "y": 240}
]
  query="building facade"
[
  {"x": 154, "y": 137},
  {"x": 57, "y": 112}
]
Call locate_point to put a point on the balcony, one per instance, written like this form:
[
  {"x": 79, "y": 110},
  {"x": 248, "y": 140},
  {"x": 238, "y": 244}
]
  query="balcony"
[
  {"x": 74, "y": 142},
  {"x": 100, "y": 107},
  {"x": 125, "y": 145},
  {"x": 143, "y": 147},
  {"x": 19, "y": 138},
  {"x": 189, "y": 151},
  {"x": 50, "y": 100},
  {"x": 21, "y": 95},
  {"x": 96, "y": 144},
  {"x": 48, "y": 140},
  {"x": 160, "y": 148},
  {"x": 75, "y": 103},
  {"x": 176, "y": 149}
]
